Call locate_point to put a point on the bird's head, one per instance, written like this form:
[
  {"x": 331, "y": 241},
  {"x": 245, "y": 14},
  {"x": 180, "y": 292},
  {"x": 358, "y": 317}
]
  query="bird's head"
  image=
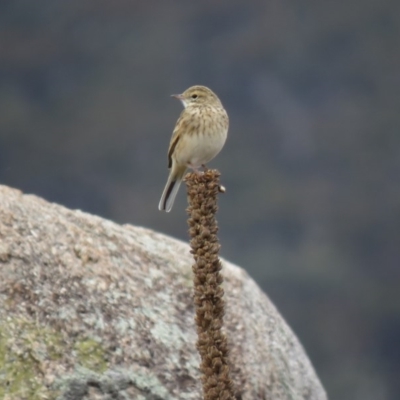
[{"x": 198, "y": 95}]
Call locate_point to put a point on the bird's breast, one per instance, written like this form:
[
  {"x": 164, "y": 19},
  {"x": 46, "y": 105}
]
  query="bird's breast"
[{"x": 203, "y": 138}]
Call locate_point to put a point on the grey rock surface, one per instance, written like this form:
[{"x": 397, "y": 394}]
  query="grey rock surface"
[{"x": 93, "y": 310}]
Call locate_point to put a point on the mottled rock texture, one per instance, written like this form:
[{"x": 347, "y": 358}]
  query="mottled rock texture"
[{"x": 93, "y": 310}]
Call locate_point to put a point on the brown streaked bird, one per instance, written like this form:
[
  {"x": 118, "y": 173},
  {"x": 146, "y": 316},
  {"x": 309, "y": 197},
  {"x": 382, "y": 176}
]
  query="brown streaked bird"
[{"x": 199, "y": 135}]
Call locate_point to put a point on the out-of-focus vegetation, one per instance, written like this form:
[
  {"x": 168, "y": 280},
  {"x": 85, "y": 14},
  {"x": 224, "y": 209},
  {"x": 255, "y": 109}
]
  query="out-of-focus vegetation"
[{"x": 311, "y": 166}]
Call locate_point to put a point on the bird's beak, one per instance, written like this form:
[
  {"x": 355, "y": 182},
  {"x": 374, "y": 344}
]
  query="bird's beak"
[{"x": 177, "y": 96}]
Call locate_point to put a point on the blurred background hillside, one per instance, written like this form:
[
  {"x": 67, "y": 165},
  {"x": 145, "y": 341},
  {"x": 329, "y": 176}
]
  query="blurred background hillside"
[{"x": 311, "y": 166}]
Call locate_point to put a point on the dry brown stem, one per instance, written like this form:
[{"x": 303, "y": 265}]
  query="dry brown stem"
[{"x": 202, "y": 191}]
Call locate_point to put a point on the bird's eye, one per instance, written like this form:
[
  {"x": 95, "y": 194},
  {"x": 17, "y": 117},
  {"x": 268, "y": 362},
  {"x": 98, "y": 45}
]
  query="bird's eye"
[{"x": 194, "y": 96}]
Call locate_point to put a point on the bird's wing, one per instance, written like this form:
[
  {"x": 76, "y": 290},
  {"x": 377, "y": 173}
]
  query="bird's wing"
[
  {"x": 174, "y": 141},
  {"x": 180, "y": 128}
]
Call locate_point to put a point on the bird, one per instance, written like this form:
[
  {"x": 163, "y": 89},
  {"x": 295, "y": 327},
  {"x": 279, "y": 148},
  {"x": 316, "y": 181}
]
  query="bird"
[{"x": 199, "y": 135}]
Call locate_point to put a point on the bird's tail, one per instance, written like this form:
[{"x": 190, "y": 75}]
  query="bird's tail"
[{"x": 171, "y": 188}]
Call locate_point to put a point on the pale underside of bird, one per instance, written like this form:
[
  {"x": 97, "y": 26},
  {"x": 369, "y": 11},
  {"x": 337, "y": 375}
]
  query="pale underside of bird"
[{"x": 198, "y": 136}]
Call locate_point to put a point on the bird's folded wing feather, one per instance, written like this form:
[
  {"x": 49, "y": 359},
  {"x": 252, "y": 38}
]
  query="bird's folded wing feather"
[{"x": 180, "y": 127}]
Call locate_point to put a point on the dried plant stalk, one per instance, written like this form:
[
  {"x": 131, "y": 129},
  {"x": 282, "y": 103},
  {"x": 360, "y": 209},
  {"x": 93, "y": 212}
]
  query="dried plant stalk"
[{"x": 208, "y": 293}]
